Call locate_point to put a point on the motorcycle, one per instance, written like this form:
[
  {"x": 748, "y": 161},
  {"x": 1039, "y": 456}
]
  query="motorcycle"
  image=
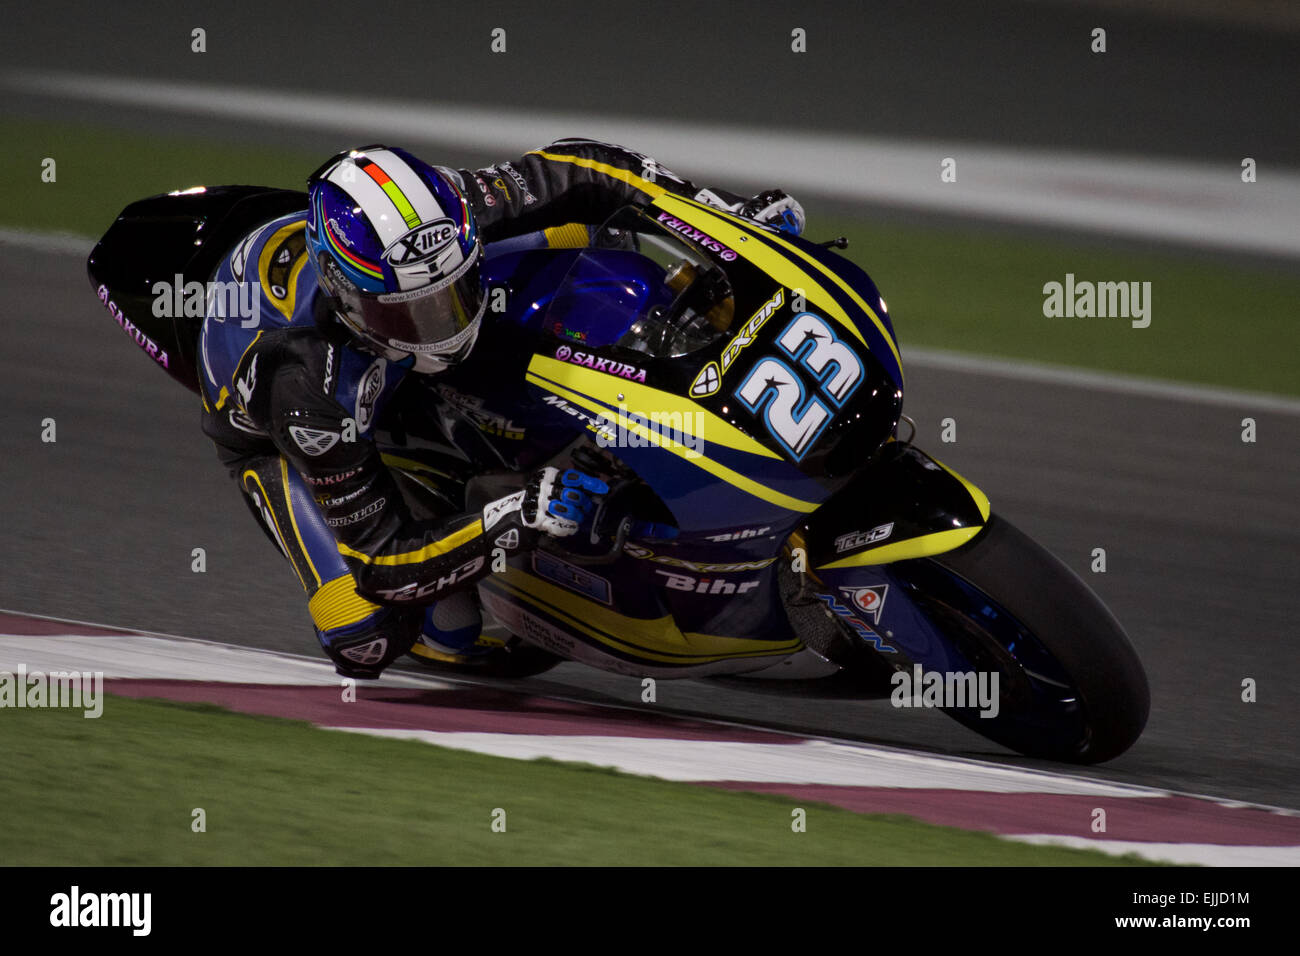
[{"x": 769, "y": 526}]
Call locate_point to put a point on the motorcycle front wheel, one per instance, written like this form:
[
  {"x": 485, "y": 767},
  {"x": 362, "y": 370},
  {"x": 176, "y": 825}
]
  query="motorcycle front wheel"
[{"x": 1071, "y": 686}]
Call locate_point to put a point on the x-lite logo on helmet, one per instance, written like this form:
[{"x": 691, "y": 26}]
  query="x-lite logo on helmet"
[
  {"x": 413, "y": 212},
  {"x": 421, "y": 243}
]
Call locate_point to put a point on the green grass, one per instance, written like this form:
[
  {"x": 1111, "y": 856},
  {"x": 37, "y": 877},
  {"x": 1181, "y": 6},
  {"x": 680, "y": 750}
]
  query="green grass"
[
  {"x": 964, "y": 289},
  {"x": 99, "y": 171},
  {"x": 119, "y": 791}
]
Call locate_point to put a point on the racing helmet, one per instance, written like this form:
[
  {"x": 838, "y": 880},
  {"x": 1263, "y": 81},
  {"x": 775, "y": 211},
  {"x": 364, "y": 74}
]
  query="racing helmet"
[{"x": 398, "y": 253}]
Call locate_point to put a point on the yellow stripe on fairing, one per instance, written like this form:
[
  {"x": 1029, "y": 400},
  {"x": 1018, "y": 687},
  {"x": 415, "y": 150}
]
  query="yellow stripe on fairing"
[
  {"x": 654, "y": 639},
  {"x": 449, "y": 543},
  {"x": 718, "y": 470},
  {"x": 722, "y": 227},
  {"x": 641, "y": 399},
  {"x": 981, "y": 500},
  {"x": 410, "y": 464},
  {"x": 924, "y": 545},
  {"x": 415, "y": 471}
]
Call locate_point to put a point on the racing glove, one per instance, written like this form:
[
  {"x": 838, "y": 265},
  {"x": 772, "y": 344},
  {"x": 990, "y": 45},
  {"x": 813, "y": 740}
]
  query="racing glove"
[
  {"x": 772, "y": 207},
  {"x": 553, "y": 503}
]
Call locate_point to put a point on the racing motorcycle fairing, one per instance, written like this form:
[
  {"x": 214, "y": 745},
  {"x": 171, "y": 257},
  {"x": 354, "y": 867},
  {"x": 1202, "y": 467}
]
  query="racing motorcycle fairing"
[
  {"x": 185, "y": 233},
  {"x": 861, "y": 551},
  {"x": 613, "y": 342},
  {"x": 619, "y": 619},
  {"x": 724, "y": 390},
  {"x": 903, "y": 504}
]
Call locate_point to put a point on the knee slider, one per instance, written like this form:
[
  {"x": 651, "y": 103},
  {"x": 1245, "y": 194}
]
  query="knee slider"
[{"x": 364, "y": 649}]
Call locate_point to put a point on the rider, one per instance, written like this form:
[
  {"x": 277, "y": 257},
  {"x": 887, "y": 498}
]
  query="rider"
[{"x": 378, "y": 278}]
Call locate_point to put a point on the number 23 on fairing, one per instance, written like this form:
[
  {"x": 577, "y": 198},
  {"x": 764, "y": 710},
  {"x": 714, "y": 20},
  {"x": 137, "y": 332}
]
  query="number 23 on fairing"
[{"x": 772, "y": 388}]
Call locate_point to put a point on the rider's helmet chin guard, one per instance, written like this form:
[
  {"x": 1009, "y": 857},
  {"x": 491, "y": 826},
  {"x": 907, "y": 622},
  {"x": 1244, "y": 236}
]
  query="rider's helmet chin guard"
[{"x": 398, "y": 253}]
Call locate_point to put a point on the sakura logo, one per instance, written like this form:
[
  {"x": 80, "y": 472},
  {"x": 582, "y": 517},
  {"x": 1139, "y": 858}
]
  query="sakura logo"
[{"x": 563, "y": 353}]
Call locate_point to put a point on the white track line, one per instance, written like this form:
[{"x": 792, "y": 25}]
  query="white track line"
[
  {"x": 1026, "y": 371},
  {"x": 1038, "y": 780},
  {"x": 137, "y": 657},
  {"x": 1201, "y": 204},
  {"x": 1212, "y": 854},
  {"x": 143, "y": 655},
  {"x": 58, "y": 243},
  {"x": 809, "y": 762}
]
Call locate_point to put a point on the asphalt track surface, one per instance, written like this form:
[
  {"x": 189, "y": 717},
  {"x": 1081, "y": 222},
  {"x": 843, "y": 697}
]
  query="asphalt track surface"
[
  {"x": 1199, "y": 528},
  {"x": 1003, "y": 71}
]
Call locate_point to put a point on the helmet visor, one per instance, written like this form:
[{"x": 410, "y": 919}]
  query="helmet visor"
[{"x": 440, "y": 319}]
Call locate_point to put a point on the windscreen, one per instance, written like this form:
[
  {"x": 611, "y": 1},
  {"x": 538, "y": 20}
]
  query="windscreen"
[{"x": 639, "y": 286}]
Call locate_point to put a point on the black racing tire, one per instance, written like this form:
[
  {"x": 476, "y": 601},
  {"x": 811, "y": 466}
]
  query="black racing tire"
[{"x": 1054, "y": 605}]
